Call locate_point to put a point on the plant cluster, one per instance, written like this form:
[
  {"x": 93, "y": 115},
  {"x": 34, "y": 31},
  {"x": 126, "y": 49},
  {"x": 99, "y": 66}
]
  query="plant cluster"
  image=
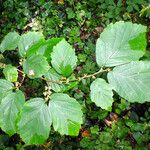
[
  {"x": 118, "y": 51},
  {"x": 80, "y": 23}
]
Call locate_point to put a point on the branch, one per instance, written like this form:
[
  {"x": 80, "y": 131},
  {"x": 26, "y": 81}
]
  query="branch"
[{"x": 66, "y": 81}]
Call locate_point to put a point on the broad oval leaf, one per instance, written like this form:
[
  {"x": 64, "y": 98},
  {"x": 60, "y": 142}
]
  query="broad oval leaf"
[
  {"x": 132, "y": 81},
  {"x": 37, "y": 48},
  {"x": 27, "y": 40},
  {"x": 101, "y": 93},
  {"x": 50, "y": 44},
  {"x": 11, "y": 73},
  {"x": 120, "y": 43},
  {"x": 66, "y": 114},
  {"x": 63, "y": 58},
  {"x": 10, "y": 107},
  {"x": 43, "y": 47},
  {"x": 35, "y": 66},
  {"x": 52, "y": 75},
  {"x": 5, "y": 86},
  {"x": 10, "y": 42},
  {"x": 35, "y": 121}
]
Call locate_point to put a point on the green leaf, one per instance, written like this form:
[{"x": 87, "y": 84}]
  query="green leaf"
[
  {"x": 10, "y": 41},
  {"x": 63, "y": 58},
  {"x": 27, "y": 40},
  {"x": 5, "y": 86},
  {"x": 11, "y": 73},
  {"x": 50, "y": 44},
  {"x": 35, "y": 66},
  {"x": 37, "y": 48},
  {"x": 43, "y": 47},
  {"x": 35, "y": 121},
  {"x": 9, "y": 108},
  {"x": 120, "y": 43},
  {"x": 52, "y": 75},
  {"x": 66, "y": 114},
  {"x": 132, "y": 81},
  {"x": 101, "y": 93}
]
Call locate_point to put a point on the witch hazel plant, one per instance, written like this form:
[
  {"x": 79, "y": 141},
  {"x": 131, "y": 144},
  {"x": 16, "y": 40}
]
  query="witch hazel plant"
[{"x": 118, "y": 51}]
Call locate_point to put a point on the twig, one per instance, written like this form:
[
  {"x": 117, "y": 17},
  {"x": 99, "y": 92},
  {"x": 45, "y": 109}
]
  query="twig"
[
  {"x": 65, "y": 81},
  {"x": 20, "y": 71},
  {"x": 23, "y": 77}
]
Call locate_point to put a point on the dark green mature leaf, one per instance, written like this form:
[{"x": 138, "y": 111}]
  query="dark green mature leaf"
[
  {"x": 35, "y": 66},
  {"x": 121, "y": 43},
  {"x": 10, "y": 106},
  {"x": 37, "y": 48},
  {"x": 101, "y": 93},
  {"x": 66, "y": 114},
  {"x": 27, "y": 40},
  {"x": 5, "y": 86},
  {"x": 43, "y": 47},
  {"x": 50, "y": 44},
  {"x": 132, "y": 81},
  {"x": 11, "y": 73},
  {"x": 52, "y": 75},
  {"x": 35, "y": 121},
  {"x": 63, "y": 58},
  {"x": 10, "y": 41}
]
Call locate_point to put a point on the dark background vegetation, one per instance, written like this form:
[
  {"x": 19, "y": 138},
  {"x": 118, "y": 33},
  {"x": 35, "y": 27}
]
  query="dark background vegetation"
[{"x": 81, "y": 22}]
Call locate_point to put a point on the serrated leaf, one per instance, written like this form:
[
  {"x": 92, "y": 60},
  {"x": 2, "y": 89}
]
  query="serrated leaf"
[
  {"x": 132, "y": 81},
  {"x": 43, "y": 47},
  {"x": 63, "y": 58},
  {"x": 11, "y": 73},
  {"x": 52, "y": 75},
  {"x": 10, "y": 42},
  {"x": 5, "y": 86},
  {"x": 10, "y": 106},
  {"x": 35, "y": 121},
  {"x": 120, "y": 43},
  {"x": 27, "y": 40},
  {"x": 66, "y": 114},
  {"x": 35, "y": 66},
  {"x": 101, "y": 93}
]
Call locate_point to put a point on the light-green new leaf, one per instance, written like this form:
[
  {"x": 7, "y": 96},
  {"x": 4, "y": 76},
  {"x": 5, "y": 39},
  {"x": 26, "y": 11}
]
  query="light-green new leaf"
[
  {"x": 27, "y": 40},
  {"x": 132, "y": 81},
  {"x": 120, "y": 43},
  {"x": 35, "y": 121},
  {"x": 11, "y": 73},
  {"x": 10, "y": 106},
  {"x": 101, "y": 93},
  {"x": 35, "y": 66},
  {"x": 10, "y": 42},
  {"x": 63, "y": 58},
  {"x": 66, "y": 114},
  {"x": 5, "y": 86}
]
